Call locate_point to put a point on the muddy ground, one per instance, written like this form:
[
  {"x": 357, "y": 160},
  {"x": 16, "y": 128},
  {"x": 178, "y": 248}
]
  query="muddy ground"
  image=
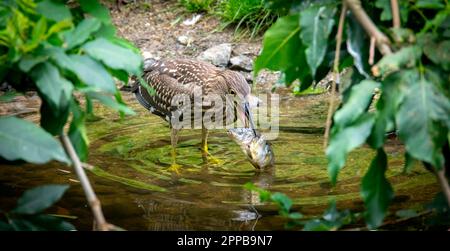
[{"x": 154, "y": 26}]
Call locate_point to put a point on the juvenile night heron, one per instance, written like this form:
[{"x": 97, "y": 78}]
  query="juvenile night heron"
[{"x": 180, "y": 86}]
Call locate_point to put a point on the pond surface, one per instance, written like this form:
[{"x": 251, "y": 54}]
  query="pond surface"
[{"x": 138, "y": 192}]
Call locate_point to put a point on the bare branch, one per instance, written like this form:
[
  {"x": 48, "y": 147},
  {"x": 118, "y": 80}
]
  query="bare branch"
[
  {"x": 395, "y": 14},
  {"x": 444, "y": 184},
  {"x": 93, "y": 201},
  {"x": 372, "y": 50},
  {"x": 336, "y": 78},
  {"x": 382, "y": 40}
]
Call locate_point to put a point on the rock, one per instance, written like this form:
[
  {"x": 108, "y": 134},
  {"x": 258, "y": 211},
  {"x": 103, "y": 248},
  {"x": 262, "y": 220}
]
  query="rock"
[
  {"x": 242, "y": 63},
  {"x": 185, "y": 40},
  {"x": 218, "y": 55}
]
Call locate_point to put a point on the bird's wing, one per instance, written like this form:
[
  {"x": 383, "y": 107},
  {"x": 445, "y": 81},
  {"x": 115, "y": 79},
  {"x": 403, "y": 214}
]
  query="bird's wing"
[
  {"x": 186, "y": 71},
  {"x": 168, "y": 95}
]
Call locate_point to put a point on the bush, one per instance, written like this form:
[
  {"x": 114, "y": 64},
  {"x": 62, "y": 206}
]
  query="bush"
[
  {"x": 197, "y": 5},
  {"x": 250, "y": 16}
]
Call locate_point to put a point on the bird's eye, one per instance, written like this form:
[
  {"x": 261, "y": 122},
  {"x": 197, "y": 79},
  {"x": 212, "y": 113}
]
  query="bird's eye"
[{"x": 232, "y": 92}]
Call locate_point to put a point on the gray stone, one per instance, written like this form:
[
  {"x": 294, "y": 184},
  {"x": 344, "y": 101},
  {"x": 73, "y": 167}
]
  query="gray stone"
[
  {"x": 218, "y": 55},
  {"x": 242, "y": 63},
  {"x": 185, "y": 40}
]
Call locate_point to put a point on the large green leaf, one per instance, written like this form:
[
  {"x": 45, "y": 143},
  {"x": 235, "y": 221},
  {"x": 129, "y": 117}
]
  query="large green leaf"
[
  {"x": 387, "y": 106},
  {"x": 316, "y": 23},
  {"x": 89, "y": 71},
  {"x": 423, "y": 120},
  {"x": 37, "y": 199},
  {"x": 53, "y": 10},
  {"x": 97, "y": 10},
  {"x": 56, "y": 89},
  {"x": 20, "y": 139},
  {"x": 376, "y": 190},
  {"x": 343, "y": 140},
  {"x": 283, "y": 50},
  {"x": 109, "y": 101},
  {"x": 114, "y": 56},
  {"x": 82, "y": 32},
  {"x": 357, "y": 103},
  {"x": 357, "y": 45}
]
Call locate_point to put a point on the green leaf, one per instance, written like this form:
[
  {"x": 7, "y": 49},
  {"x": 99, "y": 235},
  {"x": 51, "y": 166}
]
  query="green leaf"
[
  {"x": 53, "y": 121},
  {"x": 56, "y": 89},
  {"x": 423, "y": 120},
  {"x": 5, "y": 226},
  {"x": 344, "y": 140},
  {"x": 81, "y": 33},
  {"x": 20, "y": 139},
  {"x": 89, "y": 71},
  {"x": 77, "y": 132},
  {"x": 357, "y": 103},
  {"x": 53, "y": 10},
  {"x": 404, "y": 58},
  {"x": 386, "y": 14},
  {"x": 27, "y": 62},
  {"x": 316, "y": 225},
  {"x": 387, "y": 106},
  {"x": 283, "y": 50},
  {"x": 106, "y": 31},
  {"x": 37, "y": 199},
  {"x": 96, "y": 9},
  {"x": 316, "y": 23},
  {"x": 357, "y": 45},
  {"x": 42, "y": 223},
  {"x": 409, "y": 163},
  {"x": 439, "y": 53},
  {"x": 110, "y": 102},
  {"x": 283, "y": 201},
  {"x": 376, "y": 190},
  {"x": 114, "y": 56},
  {"x": 430, "y": 4}
]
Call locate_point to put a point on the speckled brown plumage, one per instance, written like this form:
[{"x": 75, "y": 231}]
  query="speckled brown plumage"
[{"x": 170, "y": 78}]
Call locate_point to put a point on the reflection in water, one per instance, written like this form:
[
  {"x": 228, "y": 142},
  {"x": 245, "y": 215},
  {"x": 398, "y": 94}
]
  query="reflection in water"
[{"x": 138, "y": 191}]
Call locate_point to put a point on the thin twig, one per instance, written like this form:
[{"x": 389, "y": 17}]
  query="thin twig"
[
  {"x": 444, "y": 184},
  {"x": 336, "y": 74},
  {"x": 382, "y": 40},
  {"x": 372, "y": 50},
  {"x": 93, "y": 201},
  {"x": 395, "y": 14}
]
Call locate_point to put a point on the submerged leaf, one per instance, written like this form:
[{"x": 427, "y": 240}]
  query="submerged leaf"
[{"x": 37, "y": 199}]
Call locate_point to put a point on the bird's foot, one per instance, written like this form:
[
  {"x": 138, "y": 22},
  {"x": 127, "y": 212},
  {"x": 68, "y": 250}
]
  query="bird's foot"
[
  {"x": 208, "y": 158},
  {"x": 174, "y": 167}
]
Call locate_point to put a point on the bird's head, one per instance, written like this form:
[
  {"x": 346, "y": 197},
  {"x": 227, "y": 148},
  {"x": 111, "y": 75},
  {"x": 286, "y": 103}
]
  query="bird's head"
[{"x": 239, "y": 90}]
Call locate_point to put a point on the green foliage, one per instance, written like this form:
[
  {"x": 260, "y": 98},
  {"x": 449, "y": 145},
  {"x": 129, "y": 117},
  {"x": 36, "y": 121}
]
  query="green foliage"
[
  {"x": 23, "y": 140},
  {"x": 332, "y": 219},
  {"x": 197, "y": 5},
  {"x": 250, "y": 15},
  {"x": 28, "y": 214},
  {"x": 412, "y": 83},
  {"x": 376, "y": 190},
  {"x": 47, "y": 46}
]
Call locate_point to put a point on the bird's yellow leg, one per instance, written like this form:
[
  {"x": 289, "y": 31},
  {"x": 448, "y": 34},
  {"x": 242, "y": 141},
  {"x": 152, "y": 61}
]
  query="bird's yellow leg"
[
  {"x": 206, "y": 155},
  {"x": 174, "y": 167}
]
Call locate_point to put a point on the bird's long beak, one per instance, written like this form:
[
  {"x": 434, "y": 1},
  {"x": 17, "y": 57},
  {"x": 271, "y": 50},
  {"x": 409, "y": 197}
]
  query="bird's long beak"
[{"x": 248, "y": 117}]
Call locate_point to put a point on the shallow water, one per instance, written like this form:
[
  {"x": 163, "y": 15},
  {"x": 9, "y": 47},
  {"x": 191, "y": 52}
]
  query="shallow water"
[{"x": 139, "y": 193}]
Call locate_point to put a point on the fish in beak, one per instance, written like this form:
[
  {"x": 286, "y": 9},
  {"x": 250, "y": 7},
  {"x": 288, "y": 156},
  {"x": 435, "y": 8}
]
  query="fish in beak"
[{"x": 257, "y": 149}]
